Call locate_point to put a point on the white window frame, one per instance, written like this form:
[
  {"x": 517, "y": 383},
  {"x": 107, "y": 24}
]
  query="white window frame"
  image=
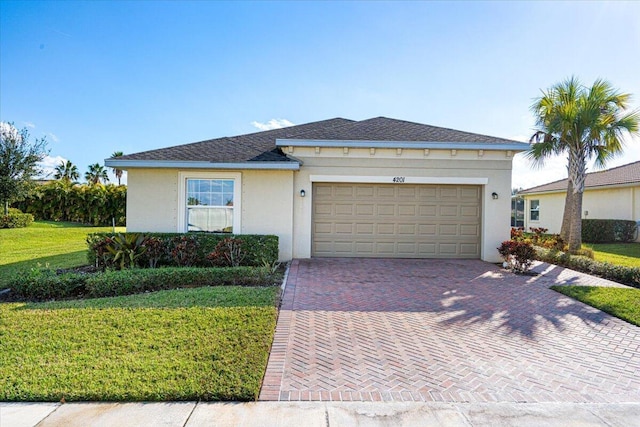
[
  {"x": 182, "y": 196},
  {"x": 532, "y": 210}
]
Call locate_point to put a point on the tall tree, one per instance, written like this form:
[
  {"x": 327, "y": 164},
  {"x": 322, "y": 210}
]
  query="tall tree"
[
  {"x": 117, "y": 172},
  {"x": 67, "y": 171},
  {"x": 19, "y": 159},
  {"x": 583, "y": 124},
  {"x": 96, "y": 174}
]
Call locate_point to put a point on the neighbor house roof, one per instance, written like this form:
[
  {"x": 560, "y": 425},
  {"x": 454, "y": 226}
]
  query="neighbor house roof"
[
  {"x": 621, "y": 175},
  {"x": 260, "y": 149}
]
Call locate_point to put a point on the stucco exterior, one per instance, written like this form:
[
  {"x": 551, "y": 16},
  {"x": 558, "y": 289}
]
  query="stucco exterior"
[
  {"x": 614, "y": 202},
  {"x": 455, "y": 202},
  {"x": 491, "y": 170},
  {"x": 153, "y": 202},
  {"x": 271, "y": 201}
]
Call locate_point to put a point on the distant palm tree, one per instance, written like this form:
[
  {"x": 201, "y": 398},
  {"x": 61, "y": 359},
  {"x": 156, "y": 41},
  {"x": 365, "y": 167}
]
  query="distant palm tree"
[
  {"x": 117, "y": 172},
  {"x": 67, "y": 171},
  {"x": 582, "y": 123},
  {"x": 96, "y": 174}
]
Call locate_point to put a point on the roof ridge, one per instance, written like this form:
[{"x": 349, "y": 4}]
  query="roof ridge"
[{"x": 270, "y": 131}]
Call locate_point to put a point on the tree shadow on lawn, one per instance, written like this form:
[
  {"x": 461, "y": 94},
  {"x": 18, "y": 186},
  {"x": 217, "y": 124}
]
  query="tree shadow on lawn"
[
  {"x": 66, "y": 260},
  {"x": 459, "y": 292}
]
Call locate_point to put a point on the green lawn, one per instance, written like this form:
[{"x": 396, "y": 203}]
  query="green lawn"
[
  {"x": 188, "y": 344},
  {"x": 59, "y": 244},
  {"x": 623, "y": 303},
  {"x": 627, "y": 254}
]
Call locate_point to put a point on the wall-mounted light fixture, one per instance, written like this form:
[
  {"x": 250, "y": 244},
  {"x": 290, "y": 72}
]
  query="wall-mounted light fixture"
[
  {"x": 494, "y": 195},
  {"x": 303, "y": 193}
]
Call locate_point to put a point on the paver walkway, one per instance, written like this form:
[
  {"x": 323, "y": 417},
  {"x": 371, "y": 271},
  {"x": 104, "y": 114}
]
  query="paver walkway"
[{"x": 445, "y": 330}]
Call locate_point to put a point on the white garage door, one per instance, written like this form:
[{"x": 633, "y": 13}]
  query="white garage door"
[{"x": 402, "y": 221}]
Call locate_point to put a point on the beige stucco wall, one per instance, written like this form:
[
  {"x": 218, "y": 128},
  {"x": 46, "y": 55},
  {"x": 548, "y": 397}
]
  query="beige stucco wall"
[
  {"x": 495, "y": 167},
  {"x": 267, "y": 206},
  {"x": 608, "y": 203},
  {"x": 271, "y": 202},
  {"x": 266, "y": 203},
  {"x": 152, "y": 200}
]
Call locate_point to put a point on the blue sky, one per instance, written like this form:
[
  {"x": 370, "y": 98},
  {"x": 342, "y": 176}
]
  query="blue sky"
[{"x": 96, "y": 77}]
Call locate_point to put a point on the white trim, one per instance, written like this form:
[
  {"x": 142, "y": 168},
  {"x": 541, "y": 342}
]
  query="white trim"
[
  {"x": 163, "y": 164},
  {"x": 436, "y": 145},
  {"x": 182, "y": 196},
  {"x": 395, "y": 180}
]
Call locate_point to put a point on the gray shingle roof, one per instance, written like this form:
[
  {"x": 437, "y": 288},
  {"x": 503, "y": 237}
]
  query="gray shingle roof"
[
  {"x": 261, "y": 146},
  {"x": 625, "y": 174}
]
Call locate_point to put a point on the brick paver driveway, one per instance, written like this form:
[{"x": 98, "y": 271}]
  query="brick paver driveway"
[{"x": 444, "y": 330}]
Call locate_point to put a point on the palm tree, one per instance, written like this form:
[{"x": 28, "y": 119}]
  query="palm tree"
[
  {"x": 583, "y": 123},
  {"x": 96, "y": 174},
  {"x": 67, "y": 171},
  {"x": 117, "y": 172}
]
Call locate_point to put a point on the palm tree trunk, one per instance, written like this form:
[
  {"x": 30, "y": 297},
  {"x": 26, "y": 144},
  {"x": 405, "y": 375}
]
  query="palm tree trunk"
[
  {"x": 577, "y": 176},
  {"x": 575, "y": 239},
  {"x": 565, "y": 230}
]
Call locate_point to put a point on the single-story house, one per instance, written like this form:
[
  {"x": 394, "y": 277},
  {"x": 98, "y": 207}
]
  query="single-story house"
[
  {"x": 609, "y": 194},
  {"x": 334, "y": 188}
]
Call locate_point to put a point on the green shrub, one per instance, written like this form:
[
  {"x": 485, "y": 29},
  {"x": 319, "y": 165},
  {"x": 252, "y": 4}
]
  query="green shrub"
[
  {"x": 125, "y": 282},
  {"x": 608, "y": 230},
  {"x": 44, "y": 284},
  {"x": 617, "y": 273},
  {"x": 125, "y": 249},
  {"x": 258, "y": 250},
  {"x": 15, "y": 219},
  {"x": 228, "y": 253}
]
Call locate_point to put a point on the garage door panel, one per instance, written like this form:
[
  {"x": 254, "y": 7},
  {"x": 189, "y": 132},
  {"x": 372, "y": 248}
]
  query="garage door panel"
[
  {"x": 470, "y": 211},
  {"x": 428, "y": 210},
  {"x": 448, "y": 210},
  {"x": 344, "y": 228},
  {"x": 470, "y": 230},
  {"x": 407, "y": 210},
  {"x": 388, "y": 192},
  {"x": 409, "y": 229},
  {"x": 362, "y": 209},
  {"x": 386, "y": 210},
  {"x": 470, "y": 193},
  {"x": 448, "y": 192},
  {"x": 410, "y": 221},
  {"x": 365, "y": 229}
]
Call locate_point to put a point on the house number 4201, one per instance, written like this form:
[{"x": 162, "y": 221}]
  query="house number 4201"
[{"x": 398, "y": 179}]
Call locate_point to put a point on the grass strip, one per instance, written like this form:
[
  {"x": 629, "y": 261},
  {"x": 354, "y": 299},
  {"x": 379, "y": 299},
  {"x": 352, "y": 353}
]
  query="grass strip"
[{"x": 623, "y": 303}]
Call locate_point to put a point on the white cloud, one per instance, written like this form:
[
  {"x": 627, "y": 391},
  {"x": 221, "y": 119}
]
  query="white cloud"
[
  {"x": 8, "y": 130},
  {"x": 273, "y": 124},
  {"x": 29, "y": 125},
  {"x": 53, "y": 137},
  {"x": 48, "y": 165}
]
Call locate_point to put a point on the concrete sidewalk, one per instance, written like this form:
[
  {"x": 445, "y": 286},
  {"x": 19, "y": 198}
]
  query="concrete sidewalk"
[{"x": 311, "y": 414}]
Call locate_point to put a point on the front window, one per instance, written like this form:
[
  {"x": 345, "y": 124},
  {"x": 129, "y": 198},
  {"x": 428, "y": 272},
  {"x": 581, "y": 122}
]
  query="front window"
[
  {"x": 210, "y": 205},
  {"x": 534, "y": 210}
]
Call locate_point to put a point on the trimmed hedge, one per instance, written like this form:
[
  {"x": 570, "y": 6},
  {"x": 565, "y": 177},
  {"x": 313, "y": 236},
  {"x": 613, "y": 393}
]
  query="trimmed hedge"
[
  {"x": 15, "y": 219},
  {"x": 617, "y": 273},
  {"x": 126, "y": 282},
  {"x": 608, "y": 230},
  {"x": 259, "y": 249},
  {"x": 45, "y": 284}
]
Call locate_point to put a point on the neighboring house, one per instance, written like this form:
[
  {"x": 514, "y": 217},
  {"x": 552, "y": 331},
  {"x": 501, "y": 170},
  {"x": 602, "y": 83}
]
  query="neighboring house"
[
  {"x": 609, "y": 194},
  {"x": 372, "y": 188}
]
